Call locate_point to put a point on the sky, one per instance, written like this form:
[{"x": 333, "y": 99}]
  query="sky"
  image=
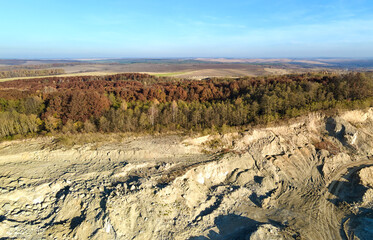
[{"x": 191, "y": 28}]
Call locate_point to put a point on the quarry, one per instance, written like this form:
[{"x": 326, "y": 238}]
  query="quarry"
[{"x": 309, "y": 179}]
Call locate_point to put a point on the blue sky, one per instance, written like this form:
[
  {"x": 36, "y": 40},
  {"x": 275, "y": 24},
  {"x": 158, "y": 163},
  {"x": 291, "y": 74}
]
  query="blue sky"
[{"x": 164, "y": 28}]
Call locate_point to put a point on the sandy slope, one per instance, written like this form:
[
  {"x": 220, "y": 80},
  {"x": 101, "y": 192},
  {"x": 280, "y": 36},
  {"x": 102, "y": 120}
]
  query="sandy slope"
[{"x": 309, "y": 180}]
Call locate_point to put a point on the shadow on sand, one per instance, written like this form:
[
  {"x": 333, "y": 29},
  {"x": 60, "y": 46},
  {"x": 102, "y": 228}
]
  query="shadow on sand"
[{"x": 232, "y": 227}]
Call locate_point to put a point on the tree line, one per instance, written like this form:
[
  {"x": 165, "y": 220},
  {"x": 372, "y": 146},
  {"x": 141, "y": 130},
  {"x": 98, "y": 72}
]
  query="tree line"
[
  {"x": 21, "y": 64},
  {"x": 140, "y": 102},
  {"x": 30, "y": 72}
]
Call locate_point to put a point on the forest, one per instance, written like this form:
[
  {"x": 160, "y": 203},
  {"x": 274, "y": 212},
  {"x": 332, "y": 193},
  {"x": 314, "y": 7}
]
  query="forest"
[{"x": 134, "y": 102}]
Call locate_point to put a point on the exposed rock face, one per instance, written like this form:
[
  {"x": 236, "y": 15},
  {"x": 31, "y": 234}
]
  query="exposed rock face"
[
  {"x": 308, "y": 180},
  {"x": 366, "y": 176}
]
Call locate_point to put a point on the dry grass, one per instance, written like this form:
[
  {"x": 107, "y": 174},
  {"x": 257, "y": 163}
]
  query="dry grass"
[
  {"x": 167, "y": 74},
  {"x": 98, "y": 138},
  {"x": 326, "y": 145},
  {"x": 210, "y": 72},
  {"x": 277, "y": 71}
]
